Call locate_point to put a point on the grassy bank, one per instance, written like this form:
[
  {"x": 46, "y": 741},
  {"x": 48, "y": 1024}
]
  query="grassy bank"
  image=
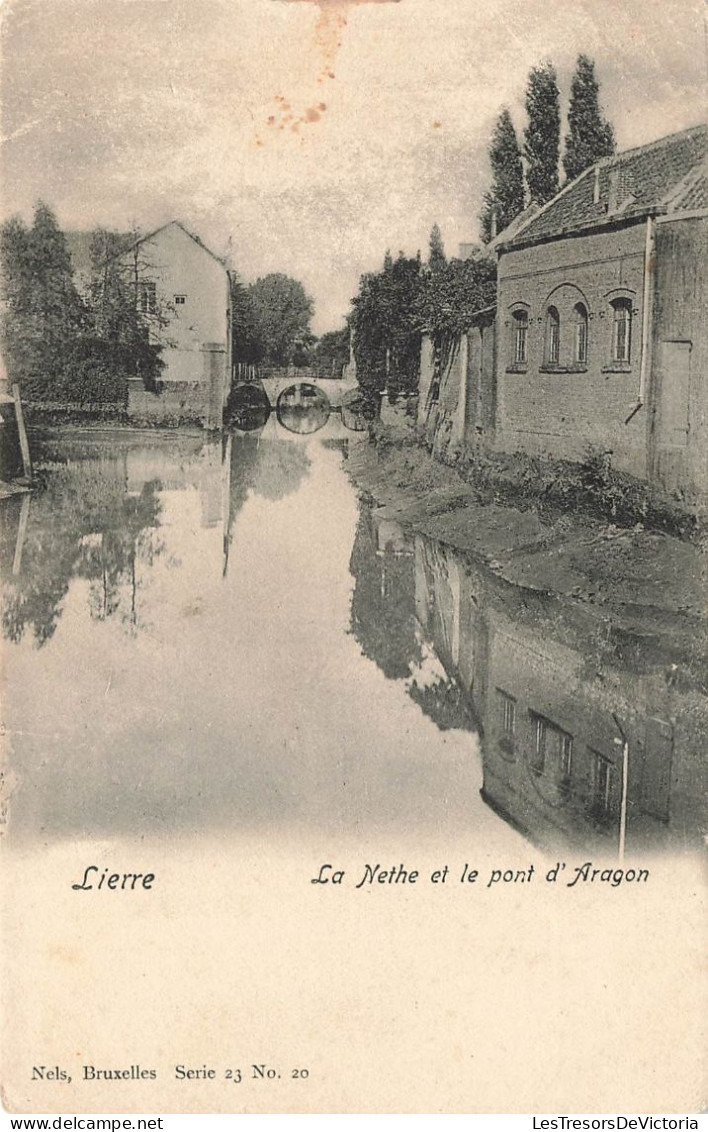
[
  {"x": 635, "y": 562},
  {"x": 592, "y": 488}
]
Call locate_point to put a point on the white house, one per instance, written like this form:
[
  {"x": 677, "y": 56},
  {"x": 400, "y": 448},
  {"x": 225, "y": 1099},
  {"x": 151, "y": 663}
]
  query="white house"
[{"x": 185, "y": 288}]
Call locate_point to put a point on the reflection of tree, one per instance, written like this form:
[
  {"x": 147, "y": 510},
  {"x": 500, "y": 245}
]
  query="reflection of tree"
[
  {"x": 383, "y": 604},
  {"x": 281, "y": 467},
  {"x": 446, "y": 704},
  {"x": 83, "y": 525},
  {"x": 270, "y": 468}
]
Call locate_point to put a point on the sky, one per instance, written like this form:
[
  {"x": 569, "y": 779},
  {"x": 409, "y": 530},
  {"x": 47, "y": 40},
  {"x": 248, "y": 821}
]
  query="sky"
[{"x": 308, "y": 136}]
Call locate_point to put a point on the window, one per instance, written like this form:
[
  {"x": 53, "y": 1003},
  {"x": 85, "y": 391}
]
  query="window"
[
  {"x": 581, "y": 334},
  {"x": 507, "y": 721},
  {"x": 538, "y": 756},
  {"x": 180, "y": 300},
  {"x": 603, "y": 774},
  {"x": 521, "y": 331},
  {"x": 552, "y": 336},
  {"x": 566, "y": 758},
  {"x": 552, "y": 750},
  {"x": 147, "y": 297},
  {"x": 622, "y": 331}
]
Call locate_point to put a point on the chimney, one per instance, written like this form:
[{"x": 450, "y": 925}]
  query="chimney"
[
  {"x": 613, "y": 199},
  {"x": 596, "y": 186},
  {"x": 493, "y": 223}
]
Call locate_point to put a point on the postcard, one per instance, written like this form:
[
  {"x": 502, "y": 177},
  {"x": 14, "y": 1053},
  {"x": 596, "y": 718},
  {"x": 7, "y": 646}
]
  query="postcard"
[{"x": 353, "y": 638}]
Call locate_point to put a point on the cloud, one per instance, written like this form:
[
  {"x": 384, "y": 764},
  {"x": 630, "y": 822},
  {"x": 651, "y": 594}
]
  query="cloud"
[{"x": 225, "y": 112}]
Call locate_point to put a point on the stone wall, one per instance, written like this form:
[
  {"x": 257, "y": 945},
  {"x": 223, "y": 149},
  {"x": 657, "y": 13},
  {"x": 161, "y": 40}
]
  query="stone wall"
[
  {"x": 177, "y": 403},
  {"x": 461, "y": 416}
]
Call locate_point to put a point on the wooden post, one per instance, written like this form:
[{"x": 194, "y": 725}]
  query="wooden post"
[
  {"x": 24, "y": 443},
  {"x": 21, "y": 534}
]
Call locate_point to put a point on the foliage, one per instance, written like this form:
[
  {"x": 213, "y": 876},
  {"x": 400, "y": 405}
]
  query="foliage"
[
  {"x": 448, "y": 301},
  {"x": 124, "y": 340},
  {"x": 386, "y": 326},
  {"x": 246, "y": 341},
  {"x": 82, "y": 525},
  {"x": 450, "y": 297},
  {"x": 436, "y": 252},
  {"x": 62, "y": 347},
  {"x": 542, "y": 134},
  {"x": 590, "y": 136},
  {"x": 505, "y": 199},
  {"x": 331, "y": 353},
  {"x": 445, "y": 703},
  {"x": 282, "y": 312},
  {"x": 43, "y": 315}
]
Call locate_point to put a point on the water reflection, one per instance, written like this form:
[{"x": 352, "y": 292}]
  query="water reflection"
[
  {"x": 221, "y": 634},
  {"x": 303, "y": 408},
  {"x": 556, "y": 693},
  {"x": 247, "y": 409},
  {"x": 89, "y": 523}
]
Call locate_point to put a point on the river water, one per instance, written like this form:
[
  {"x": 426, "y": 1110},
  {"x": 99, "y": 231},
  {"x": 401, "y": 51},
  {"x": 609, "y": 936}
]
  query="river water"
[{"x": 222, "y": 635}]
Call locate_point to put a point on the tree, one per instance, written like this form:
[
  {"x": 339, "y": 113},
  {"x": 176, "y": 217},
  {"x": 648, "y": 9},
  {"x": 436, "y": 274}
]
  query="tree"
[
  {"x": 542, "y": 134},
  {"x": 125, "y": 341},
  {"x": 385, "y": 326},
  {"x": 44, "y": 315},
  {"x": 246, "y": 335},
  {"x": 283, "y": 311},
  {"x": 505, "y": 199},
  {"x": 57, "y": 308},
  {"x": 332, "y": 352},
  {"x": 436, "y": 254},
  {"x": 590, "y": 136},
  {"x": 448, "y": 301}
]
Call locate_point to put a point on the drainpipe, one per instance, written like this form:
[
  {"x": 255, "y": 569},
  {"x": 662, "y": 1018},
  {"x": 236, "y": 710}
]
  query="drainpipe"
[
  {"x": 624, "y": 744},
  {"x": 647, "y": 306}
]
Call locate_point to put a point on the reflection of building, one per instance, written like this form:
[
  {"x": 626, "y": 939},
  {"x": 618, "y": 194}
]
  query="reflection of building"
[
  {"x": 552, "y": 749},
  {"x": 382, "y": 608}
]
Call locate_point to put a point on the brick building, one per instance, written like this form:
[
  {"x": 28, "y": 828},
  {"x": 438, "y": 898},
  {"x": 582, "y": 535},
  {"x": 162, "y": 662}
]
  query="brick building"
[
  {"x": 600, "y": 330},
  {"x": 601, "y": 317}
]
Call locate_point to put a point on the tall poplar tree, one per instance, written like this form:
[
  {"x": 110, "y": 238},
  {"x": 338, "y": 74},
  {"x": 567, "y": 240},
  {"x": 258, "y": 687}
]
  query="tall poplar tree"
[
  {"x": 590, "y": 136},
  {"x": 542, "y": 134},
  {"x": 505, "y": 199},
  {"x": 436, "y": 253}
]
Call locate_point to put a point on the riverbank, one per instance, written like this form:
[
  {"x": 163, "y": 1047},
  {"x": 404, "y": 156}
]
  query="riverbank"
[{"x": 647, "y": 580}]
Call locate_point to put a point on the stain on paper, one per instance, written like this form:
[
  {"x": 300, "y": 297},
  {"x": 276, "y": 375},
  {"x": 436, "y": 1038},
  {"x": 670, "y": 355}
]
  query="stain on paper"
[{"x": 331, "y": 21}]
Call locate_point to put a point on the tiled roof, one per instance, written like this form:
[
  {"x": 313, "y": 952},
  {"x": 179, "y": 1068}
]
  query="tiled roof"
[
  {"x": 664, "y": 176},
  {"x": 517, "y": 225}
]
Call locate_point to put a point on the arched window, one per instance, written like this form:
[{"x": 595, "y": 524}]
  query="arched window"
[
  {"x": 520, "y": 324},
  {"x": 581, "y": 334},
  {"x": 552, "y": 336},
  {"x": 622, "y": 330}
]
